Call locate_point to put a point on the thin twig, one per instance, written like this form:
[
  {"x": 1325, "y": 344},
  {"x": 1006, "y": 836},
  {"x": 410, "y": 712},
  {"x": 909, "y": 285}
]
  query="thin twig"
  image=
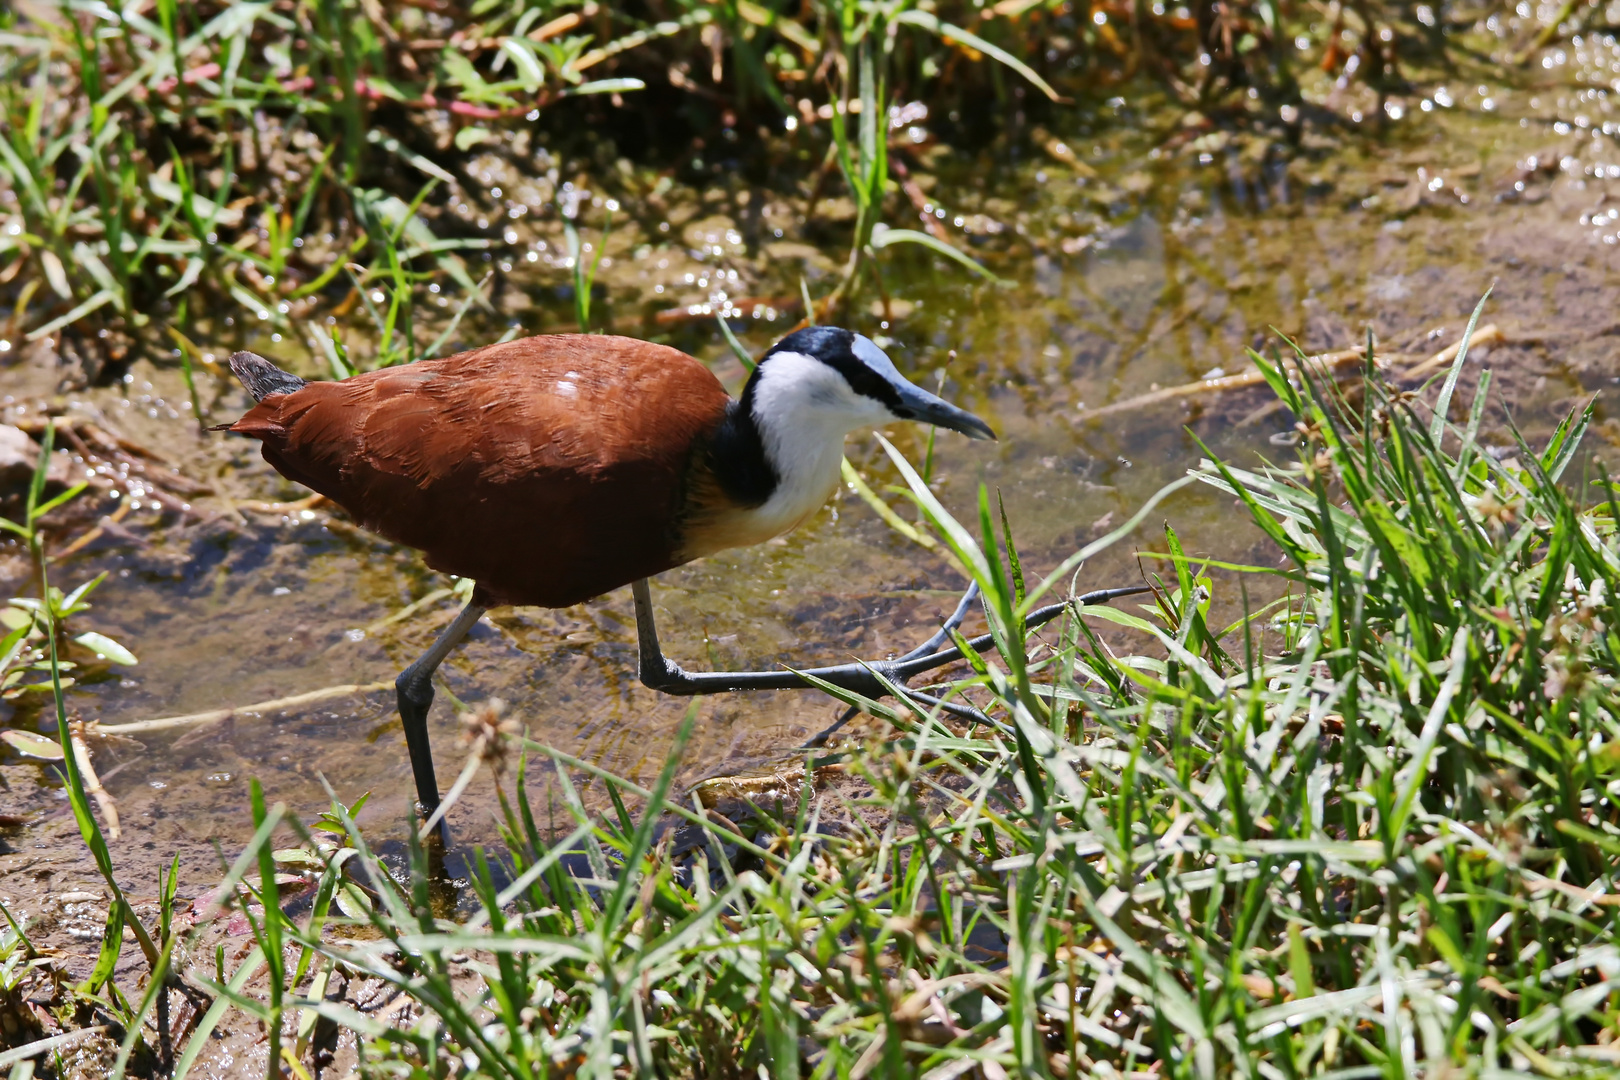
[
  {"x": 1488, "y": 334},
  {"x": 1484, "y": 335},
  {"x": 95, "y": 443},
  {"x": 163, "y": 723},
  {"x": 1252, "y": 377},
  {"x": 408, "y": 610},
  {"x": 309, "y": 502},
  {"x": 90, "y": 537}
]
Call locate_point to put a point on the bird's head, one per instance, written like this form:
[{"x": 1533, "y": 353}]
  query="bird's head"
[{"x": 832, "y": 379}]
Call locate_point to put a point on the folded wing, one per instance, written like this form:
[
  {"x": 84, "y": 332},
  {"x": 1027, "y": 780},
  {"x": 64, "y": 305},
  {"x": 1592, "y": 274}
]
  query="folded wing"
[{"x": 548, "y": 469}]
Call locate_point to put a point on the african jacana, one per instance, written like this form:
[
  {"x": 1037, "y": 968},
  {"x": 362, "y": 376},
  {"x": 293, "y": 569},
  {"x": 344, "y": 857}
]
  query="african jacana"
[{"x": 553, "y": 469}]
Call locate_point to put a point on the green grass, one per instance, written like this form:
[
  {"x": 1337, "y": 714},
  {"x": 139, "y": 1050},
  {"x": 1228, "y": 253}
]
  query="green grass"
[
  {"x": 1367, "y": 830},
  {"x": 285, "y": 167},
  {"x": 18, "y": 652}
]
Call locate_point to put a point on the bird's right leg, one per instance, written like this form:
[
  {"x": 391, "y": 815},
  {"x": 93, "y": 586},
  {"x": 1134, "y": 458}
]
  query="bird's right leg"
[{"x": 414, "y": 688}]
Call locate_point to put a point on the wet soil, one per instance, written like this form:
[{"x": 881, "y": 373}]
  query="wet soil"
[{"x": 1161, "y": 271}]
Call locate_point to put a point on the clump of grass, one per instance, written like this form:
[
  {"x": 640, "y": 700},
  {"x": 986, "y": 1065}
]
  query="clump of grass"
[
  {"x": 193, "y": 172},
  {"x": 19, "y": 651}
]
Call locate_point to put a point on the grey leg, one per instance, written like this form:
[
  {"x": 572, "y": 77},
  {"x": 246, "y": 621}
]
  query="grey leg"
[
  {"x": 414, "y": 688},
  {"x": 662, "y": 674},
  {"x": 657, "y": 673}
]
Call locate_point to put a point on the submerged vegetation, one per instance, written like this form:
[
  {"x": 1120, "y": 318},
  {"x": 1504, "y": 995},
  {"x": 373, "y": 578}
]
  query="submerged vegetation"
[{"x": 1369, "y": 829}]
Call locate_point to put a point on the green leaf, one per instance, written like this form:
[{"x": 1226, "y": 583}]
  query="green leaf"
[
  {"x": 106, "y": 647},
  {"x": 300, "y": 857},
  {"x": 1442, "y": 404},
  {"x": 883, "y": 236},
  {"x": 31, "y": 745},
  {"x": 525, "y": 61},
  {"x": 949, "y": 33},
  {"x": 1446, "y": 948},
  {"x": 112, "y": 943},
  {"x": 1012, "y": 552},
  {"x": 1299, "y": 963},
  {"x": 957, "y": 538},
  {"x": 969, "y": 653},
  {"x": 605, "y": 86},
  {"x": 181, "y": 193},
  {"x": 73, "y": 603},
  {"x": 36, "y": 487},
  {"x": 469, "y": 137},
  {"x": 352, "y": 901},
  {"x": 737, "y": 349}
]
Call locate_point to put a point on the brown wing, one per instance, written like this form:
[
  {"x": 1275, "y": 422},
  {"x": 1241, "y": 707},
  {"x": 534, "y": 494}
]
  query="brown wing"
[{"x": 547, "y": 469}]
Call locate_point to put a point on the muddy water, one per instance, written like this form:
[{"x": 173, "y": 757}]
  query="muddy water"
[{"x": 1160, "y": 271}]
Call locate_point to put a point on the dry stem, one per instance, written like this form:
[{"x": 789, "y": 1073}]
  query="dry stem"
[{"x": 163, "y": 723}]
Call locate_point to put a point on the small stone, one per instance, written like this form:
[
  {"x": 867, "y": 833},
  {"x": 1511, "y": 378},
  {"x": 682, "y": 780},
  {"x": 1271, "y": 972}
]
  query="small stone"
[{"x": 18, "y": 456}]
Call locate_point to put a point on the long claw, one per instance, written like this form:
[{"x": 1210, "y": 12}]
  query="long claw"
[
  {"x": 943, "y": 634},
  {"x": 903, "y": 670},
  {"x": 940, "y": 637},
  {"x": 966, "y": 712},
  {"x": 818, "y": 741}
]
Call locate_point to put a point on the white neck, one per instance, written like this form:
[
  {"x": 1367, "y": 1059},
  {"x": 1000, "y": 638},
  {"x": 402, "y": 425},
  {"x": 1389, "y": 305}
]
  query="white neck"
[{"x": 803, "y": 410}]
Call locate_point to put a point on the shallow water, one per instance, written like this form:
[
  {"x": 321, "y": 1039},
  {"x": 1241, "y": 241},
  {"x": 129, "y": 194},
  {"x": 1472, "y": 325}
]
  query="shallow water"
[{"x": 1161, "y": 271}]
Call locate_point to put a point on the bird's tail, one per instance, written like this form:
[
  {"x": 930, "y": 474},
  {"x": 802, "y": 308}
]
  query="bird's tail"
[{"x": 261, "y": 378}]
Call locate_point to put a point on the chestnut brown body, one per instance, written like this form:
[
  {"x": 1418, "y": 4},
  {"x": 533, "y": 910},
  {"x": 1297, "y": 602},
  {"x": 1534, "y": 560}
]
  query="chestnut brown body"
[{"x": 549, "y": 469}]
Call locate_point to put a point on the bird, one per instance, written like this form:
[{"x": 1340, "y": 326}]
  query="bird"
[{"x": 553, "y": 469}]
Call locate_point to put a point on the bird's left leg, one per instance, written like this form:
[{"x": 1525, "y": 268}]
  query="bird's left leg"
[
  {"x": 663, "y": 674},
  {"x": 414, "y": 688}
]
